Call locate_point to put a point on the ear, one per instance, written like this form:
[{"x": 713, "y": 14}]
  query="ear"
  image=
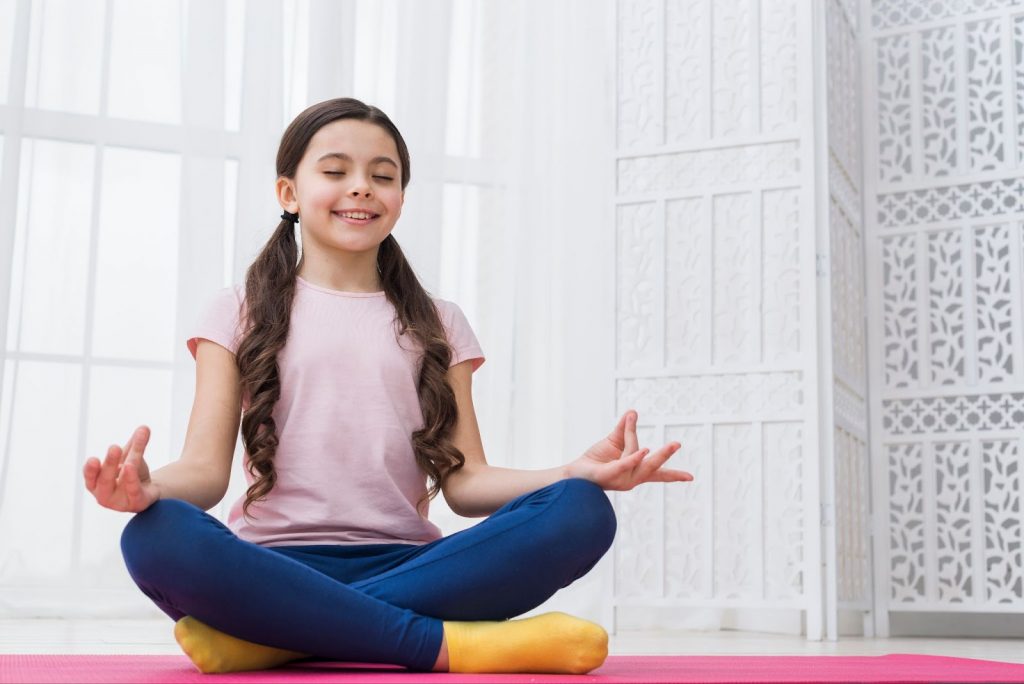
[{"x": 286, "y": 194}]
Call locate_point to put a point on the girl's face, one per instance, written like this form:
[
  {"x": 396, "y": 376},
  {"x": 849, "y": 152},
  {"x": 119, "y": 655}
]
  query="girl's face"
[{"x": 348, "y": 165}]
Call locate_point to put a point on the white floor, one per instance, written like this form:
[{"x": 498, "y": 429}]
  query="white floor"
[{"x": 155, "y": 637}]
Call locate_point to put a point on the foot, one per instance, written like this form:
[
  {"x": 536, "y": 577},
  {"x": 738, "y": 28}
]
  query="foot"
[
  {"x": 549, "y": 643},
  {"x": 214, "y": 651}
]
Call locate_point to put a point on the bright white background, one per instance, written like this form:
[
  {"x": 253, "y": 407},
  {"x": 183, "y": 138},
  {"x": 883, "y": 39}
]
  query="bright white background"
[
  {"x": 591, "y": 183},
  {"x": 138, "y": 141}
]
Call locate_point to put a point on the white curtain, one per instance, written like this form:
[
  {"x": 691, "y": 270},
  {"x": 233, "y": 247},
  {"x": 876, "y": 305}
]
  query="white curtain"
[{"x": 138, "y": 143}]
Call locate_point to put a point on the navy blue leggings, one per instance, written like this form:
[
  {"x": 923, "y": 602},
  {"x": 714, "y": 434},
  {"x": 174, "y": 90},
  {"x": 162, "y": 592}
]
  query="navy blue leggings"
[{"x": 372, "y": 603}]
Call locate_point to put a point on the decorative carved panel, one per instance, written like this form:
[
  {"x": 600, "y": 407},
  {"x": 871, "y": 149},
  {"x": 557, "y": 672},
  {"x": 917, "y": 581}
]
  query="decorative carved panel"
[
  {"x": 710, "y": 313},
  {"x": 945, "y": 312}
]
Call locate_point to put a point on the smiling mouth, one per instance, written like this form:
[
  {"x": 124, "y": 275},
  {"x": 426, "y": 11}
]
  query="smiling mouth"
[{"x": 357, "y": 221}]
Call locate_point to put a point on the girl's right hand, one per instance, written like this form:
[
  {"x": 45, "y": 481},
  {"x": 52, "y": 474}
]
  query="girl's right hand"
[{"x": 122, "y": 481}]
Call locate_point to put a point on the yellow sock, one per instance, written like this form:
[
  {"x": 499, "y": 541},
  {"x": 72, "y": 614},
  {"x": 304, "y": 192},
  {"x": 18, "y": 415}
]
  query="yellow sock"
[
  {"x": 214, "y": 651},
  {"x": 550, "y": 643}
]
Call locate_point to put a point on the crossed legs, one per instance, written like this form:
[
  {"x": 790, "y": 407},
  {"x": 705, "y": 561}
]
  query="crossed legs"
[{"x": 189, "y": 563}]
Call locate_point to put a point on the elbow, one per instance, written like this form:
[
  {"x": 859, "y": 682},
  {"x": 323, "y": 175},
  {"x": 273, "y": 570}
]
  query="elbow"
[
  {"x": 455, "y": 487},
  {"x": 468, "y": 511},
  {"x": 453, "y": 501},
  {"x": 213, "y": 488},
  {"x": 455, "y": 508},
  {"x": 213, "y": 501}
]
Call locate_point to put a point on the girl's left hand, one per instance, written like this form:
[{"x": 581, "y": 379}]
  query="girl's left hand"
[{"x": 617, "y": 462}]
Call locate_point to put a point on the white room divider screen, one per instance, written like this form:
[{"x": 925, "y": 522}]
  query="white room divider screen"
[
  {"x": 716, "y": 312},
  {"x": 945, "y": 104},
  {"x": 848, "y": 581},
  {"x": 787, "y": 227}
]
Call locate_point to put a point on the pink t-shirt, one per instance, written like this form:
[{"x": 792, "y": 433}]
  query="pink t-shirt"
[{"x": 346, "y": 470}]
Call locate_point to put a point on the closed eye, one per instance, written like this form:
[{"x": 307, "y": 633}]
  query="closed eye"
[{"x": 342, "y": 173}]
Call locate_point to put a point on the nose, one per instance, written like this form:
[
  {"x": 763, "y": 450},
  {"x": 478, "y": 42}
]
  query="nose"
[{"x": 360, "y": 187}]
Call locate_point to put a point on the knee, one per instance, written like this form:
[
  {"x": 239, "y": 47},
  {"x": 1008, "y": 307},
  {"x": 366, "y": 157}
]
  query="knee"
[
  {"x": 588, "y": 515},
  {"x": 149, "y": 540}
]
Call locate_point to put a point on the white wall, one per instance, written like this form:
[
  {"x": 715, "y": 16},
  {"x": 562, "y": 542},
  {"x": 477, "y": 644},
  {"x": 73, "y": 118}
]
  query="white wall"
[{"x": 803, "y": 260}]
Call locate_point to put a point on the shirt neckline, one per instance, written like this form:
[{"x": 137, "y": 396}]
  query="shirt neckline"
[{"x": 337, "y": 293}]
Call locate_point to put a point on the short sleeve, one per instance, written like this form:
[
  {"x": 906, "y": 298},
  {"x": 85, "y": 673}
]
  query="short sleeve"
[
  {"x": 460, "y": 335},
  {"x": 218, "y": 322}
]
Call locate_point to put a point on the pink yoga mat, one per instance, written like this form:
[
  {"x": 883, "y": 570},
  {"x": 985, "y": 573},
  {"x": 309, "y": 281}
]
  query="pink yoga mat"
[{"x": 898, "y": 667}]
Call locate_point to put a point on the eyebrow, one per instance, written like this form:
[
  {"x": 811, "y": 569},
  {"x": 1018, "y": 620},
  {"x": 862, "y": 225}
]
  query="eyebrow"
[{"x": 342, "y": 155}]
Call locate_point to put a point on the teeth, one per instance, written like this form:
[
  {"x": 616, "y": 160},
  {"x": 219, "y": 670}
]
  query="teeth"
[{"x": 356, "y": 215}]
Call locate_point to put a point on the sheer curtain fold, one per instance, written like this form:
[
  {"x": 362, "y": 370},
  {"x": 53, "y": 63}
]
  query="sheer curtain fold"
[
  {"x": 507, "y": 111},
  {"x": 545, "y": 291},
  {"x": 201, "y": 230},
  {"x": 550, "y": 121}
]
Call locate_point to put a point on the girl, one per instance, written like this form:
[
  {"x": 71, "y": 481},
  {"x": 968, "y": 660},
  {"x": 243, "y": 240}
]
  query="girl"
[{"x": 353, "y": 388}]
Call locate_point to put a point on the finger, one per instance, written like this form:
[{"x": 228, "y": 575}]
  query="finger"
[
  {"x": 629, "y": 462},
  {"x": 631, "y": 443},
  {"x": 648, "y": 467},
  {"x": 138, "y": 440},
  {"x": 131, "y": 484},
  {"x": 617, "y": 436},
  {"x": 126, "y": 449},
  {"x": 105, "y": 481},
  {"x": 142, "y": 441},
  {"x": 668, "y": 475},
  {"x": 91, "y": 471}
]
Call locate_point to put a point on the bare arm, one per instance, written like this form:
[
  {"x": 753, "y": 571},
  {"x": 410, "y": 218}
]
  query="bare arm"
[
  {"x": 190, "y": 482},
  {"x": 202, "y": 473},
  {"x": 123, "y": 482},
  {"x": 479, "y": 489},
  {"x": 614, "y": 463}
]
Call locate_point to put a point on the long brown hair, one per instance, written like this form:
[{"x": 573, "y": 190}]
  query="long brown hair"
[{"x": 270, "y": 289}]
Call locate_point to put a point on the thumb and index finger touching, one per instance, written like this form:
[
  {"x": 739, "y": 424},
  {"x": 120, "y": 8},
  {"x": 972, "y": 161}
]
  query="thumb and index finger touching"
[
  {"x": 136, "y": 443},
  {"x": 133, "y": 448},
  {"x": 624, "y": 434}
]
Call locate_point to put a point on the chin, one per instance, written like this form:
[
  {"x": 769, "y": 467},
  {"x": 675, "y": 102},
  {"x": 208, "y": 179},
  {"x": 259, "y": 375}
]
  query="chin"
[{"x": 357, "y": 245}]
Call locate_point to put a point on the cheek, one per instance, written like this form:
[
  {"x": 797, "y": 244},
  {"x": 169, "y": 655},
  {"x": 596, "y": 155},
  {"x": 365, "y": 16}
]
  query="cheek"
[
  {"x": 323, "y": 196},
  {"x": 393, "y": 200}
]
